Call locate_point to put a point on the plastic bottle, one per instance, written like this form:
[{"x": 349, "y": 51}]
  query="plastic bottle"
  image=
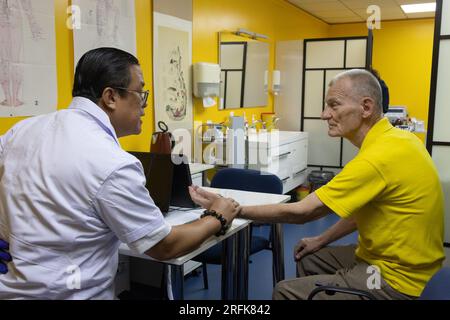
[{"x": 207, "y": 136}]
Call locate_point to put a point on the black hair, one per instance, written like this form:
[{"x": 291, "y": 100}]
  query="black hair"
[
  {"x": 384, "y": 90},
  {"x": 101, "y": 68}
]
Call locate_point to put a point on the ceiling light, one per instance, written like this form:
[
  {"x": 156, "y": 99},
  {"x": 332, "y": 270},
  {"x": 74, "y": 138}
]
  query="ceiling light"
[{"x": 419, "y": 7}]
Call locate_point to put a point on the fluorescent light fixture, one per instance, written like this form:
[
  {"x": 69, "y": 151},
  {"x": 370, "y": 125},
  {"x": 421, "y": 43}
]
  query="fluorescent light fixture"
[
  {"x": 419, "y": 7},
  {"x": 251, "y": 34}
]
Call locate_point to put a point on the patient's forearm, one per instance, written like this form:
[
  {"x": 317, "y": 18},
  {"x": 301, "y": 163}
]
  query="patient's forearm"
[
  {"x": 339, "y": 230},
  {"x": 311, "y": 208}
]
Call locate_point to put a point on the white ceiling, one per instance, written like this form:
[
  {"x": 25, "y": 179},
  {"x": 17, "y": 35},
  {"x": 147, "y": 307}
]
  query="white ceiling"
[{"x": 345, "y": 11}]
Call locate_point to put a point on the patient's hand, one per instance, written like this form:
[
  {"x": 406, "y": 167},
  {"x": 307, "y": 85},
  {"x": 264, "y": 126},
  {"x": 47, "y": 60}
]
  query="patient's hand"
[
  {"x": 307, "y": 246},
  {"x": 227, "y": 207},
  {"x": 202, "y": 197}
]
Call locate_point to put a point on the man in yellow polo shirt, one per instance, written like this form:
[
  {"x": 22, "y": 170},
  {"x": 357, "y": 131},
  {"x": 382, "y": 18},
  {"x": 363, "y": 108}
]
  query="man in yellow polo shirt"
[{"x": 390, "y": 193}]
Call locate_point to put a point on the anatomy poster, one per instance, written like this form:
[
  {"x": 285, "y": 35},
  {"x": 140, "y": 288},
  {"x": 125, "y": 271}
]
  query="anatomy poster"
[
  {"x": 27, "y": 58},
  {"x": 105, "y": 23},
  {"x": 172, "y": 71}
]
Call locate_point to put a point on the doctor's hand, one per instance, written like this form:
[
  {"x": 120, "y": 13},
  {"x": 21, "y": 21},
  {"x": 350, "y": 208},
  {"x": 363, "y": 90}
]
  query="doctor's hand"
[
  {"x": 227, "y": 207},
  {"x": 306, "y": 246},
  {"x": 4, "y": 256},
  {"x": 202, "y": 197}
]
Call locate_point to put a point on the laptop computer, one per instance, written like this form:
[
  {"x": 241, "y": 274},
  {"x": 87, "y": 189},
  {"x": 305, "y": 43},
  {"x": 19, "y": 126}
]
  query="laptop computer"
[{"x": 168, "y": 178}]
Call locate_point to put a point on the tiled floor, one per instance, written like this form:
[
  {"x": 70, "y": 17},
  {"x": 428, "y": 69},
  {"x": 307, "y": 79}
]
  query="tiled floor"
[{"x": 260, "y": 272}]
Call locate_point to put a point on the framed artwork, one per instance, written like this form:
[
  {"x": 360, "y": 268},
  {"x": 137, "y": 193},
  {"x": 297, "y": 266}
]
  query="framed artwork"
[
  {"x": 172, "y": 65},
  {"x": 27, "y": 58},
  {"x": 105, "y": 23}
]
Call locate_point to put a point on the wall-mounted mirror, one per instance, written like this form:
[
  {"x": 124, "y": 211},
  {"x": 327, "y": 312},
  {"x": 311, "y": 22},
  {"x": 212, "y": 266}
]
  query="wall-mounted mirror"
[{"x": 244, "y": 62}]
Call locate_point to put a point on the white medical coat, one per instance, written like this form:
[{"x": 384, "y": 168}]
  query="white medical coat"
[{"x": 68, "y": 195}]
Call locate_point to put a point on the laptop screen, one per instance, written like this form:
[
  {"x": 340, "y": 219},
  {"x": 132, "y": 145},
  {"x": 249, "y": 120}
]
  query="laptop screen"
[{"x": 167, "y": 181}]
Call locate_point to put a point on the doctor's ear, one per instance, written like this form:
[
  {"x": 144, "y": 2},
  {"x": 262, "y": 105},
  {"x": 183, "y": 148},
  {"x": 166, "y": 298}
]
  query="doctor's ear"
[{"x": 109, "y": 98}]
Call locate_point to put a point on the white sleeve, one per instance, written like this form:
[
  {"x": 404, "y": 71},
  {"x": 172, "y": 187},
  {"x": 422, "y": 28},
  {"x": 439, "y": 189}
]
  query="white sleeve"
[
  {"x": 3, "y": 142},
  {"x": 125, "y": 205},
  {"x": 142, "y": 245},
  {"x": 4, "y": 138}
]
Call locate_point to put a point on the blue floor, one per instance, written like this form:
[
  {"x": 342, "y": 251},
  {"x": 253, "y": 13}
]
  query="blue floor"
[{"x": 260, "y": 271}]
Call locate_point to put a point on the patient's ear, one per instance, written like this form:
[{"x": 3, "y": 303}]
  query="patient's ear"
[{"x": 368, "y": 107}]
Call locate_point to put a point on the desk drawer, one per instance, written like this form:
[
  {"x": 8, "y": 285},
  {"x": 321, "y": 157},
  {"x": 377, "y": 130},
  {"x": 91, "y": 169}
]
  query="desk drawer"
[
  {"x": 265, "y": 156},
  {"x": 299, "y": 156},
  {"x": 279, "y": 166}
]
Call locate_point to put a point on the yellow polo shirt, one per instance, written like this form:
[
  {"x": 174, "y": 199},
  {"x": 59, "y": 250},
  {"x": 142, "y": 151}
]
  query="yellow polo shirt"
[{"x": 392, "y": 190}]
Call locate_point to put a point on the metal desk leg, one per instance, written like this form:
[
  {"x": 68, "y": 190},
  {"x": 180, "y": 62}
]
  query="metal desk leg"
[
  {"x": 177, "y": 277},
  {"x": 242, "y": 263},
  {"x": 278, "y": 252},
  {"x": 229, "y": 279}
]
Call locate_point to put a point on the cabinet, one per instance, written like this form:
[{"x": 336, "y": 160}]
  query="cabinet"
[{"x": 283, "y": 153}]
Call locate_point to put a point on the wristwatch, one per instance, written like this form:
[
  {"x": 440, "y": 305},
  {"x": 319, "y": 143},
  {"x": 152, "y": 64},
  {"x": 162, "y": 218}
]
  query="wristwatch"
[{"x": 224, "y": 226}]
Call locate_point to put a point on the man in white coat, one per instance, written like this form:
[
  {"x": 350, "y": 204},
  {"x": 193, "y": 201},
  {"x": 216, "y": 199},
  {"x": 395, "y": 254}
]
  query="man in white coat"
[{"x": 69, "y": 194}]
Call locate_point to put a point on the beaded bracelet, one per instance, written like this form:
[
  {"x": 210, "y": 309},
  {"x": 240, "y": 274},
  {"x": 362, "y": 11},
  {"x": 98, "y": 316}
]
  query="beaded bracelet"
[{"x": 224, "y": 227}]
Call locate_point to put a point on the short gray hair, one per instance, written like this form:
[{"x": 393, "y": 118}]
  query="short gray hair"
[{"x": 364, "y": 84}]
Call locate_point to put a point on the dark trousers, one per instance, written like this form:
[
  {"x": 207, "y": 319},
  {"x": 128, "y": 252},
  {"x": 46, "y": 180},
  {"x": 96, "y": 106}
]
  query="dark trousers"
[{"x": 335, "y": 266}]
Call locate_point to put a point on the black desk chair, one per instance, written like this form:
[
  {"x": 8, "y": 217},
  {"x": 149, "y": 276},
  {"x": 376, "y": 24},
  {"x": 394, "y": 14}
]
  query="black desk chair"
[
  {"x": 246, "y": 180},
  {"x": 438, "y": 288}
]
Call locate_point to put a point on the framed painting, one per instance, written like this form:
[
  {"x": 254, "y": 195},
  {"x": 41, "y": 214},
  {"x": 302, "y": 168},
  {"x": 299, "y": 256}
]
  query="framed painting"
[{"x": 172, "y": 65}]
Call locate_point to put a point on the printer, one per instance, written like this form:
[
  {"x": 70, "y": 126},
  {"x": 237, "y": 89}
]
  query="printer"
[{"x": 397, "y": 115}]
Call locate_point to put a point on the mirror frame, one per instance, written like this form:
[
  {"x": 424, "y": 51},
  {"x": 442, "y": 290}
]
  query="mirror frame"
[{"x": 243, "y": 70}]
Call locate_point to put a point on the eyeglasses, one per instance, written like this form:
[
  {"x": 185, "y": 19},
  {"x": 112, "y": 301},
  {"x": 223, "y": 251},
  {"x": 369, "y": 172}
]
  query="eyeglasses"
[{"x": 143, "y": 94}]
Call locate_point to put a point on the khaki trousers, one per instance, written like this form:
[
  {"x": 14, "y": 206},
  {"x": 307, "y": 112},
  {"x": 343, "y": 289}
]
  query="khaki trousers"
[{"x": 335, "y": 266}]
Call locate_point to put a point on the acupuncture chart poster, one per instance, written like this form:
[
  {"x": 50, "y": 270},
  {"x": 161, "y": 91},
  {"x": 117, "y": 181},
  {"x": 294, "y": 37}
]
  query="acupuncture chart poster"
[
  {"x": 106, "y": 23},
  {"x": 27, "y": 58}
]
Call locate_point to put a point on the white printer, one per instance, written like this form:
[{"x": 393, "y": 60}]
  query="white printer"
[{"x": 397, "y": 115}]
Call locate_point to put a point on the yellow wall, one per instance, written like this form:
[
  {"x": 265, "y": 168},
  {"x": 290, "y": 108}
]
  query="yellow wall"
[
  {"x": 402, "y": 52},
  {"x": 144, "y": 39},
  {"x": 403, "y": 56},
  {"x": 275, "y": 18}
]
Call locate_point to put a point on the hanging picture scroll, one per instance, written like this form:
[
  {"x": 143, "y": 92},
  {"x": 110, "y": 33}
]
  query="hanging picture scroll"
[{"x": 172, "y": 63}]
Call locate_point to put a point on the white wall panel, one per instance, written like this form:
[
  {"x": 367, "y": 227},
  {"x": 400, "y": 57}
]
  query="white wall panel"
[
  {"x": 441, "y": 157},
  {"x": 288, "y": 104},
  {"x": 313, "y": 93},
  {"x": 442, "y": 111},
  {"x": 349, "y": 151},
  {"x": 330, "y": 75},
  {"x": 445, "y": 23},
  {"x": 322, "y": 149},
  {"x": 356, "y": 53},
  {"x": 325, "y": 54}
]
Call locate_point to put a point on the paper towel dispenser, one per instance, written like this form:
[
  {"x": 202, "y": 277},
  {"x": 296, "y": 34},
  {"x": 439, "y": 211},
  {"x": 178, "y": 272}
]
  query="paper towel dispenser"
[{"x": 206, "y": 80}]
